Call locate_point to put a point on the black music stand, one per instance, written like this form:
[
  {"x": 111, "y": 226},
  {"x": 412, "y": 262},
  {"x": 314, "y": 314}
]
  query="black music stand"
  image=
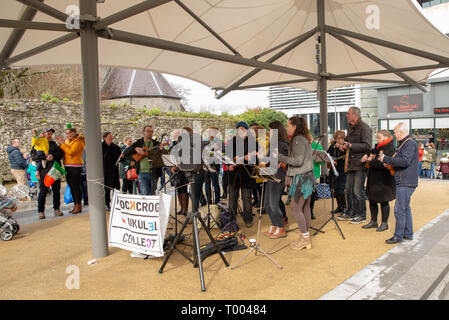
[
  {"x": 324, "y": 156},
  {"x": 254, "y": 243},
  {"x": 194, "y": 217}
]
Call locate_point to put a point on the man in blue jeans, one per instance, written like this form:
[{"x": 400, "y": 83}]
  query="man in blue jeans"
[
  {"x": 357, "y": 143},
  {"x": 145, "y": 148},
  {"x": 405, "y": 163}
]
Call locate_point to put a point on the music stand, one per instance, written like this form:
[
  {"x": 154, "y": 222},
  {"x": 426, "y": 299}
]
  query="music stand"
[
  {"x": 254, "y": 243},
  {"x": 168, "y": 161},
  {"x": 325, "y": 157},
  {"x": 194, "y": 217}
]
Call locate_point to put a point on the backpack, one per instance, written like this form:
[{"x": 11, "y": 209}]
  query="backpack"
[{"x": 227, "y": 221}]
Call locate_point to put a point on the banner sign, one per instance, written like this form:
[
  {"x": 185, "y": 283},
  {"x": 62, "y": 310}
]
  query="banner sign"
[
  {"x": 138, "y": 223},
  {"x": 406, "y": 103},
  {"x": 440, "y": 110}
]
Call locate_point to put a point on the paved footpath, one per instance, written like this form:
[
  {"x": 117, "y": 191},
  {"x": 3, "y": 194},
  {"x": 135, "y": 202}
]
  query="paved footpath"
[{"x": 412, "y": 270}]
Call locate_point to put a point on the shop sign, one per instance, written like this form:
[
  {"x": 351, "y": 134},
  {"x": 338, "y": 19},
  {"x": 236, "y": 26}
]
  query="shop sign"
[
  {"x": 440, "y": 110},
  {"x": 405, "y": 103}
]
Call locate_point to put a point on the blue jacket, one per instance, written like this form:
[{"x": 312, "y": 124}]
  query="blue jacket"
[
  {"x": 16, "y": 158},
  {"x": 405, "y": 163}
]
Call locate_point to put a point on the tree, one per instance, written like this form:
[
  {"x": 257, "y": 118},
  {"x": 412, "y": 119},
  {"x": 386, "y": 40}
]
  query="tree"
[
  {"x": 184, "y": 93},
  {"x": 263, "y": 117}
]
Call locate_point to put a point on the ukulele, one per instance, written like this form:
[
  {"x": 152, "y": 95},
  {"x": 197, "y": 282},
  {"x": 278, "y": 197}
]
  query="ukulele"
[
  {"x": 138, "y": 157},
  {"x": 390, "y": 168}
]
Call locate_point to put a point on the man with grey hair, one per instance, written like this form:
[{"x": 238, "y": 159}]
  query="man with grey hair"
[
  {"x": 357, "y": 143},
  {"x": 405, "y": 163},
  {"x": 18, "y": 162}
]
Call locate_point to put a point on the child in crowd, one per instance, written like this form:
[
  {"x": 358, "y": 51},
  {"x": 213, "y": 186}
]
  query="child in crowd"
[
  {"x": 40, "y": 143},
  {"x": 338, "y": 183}
]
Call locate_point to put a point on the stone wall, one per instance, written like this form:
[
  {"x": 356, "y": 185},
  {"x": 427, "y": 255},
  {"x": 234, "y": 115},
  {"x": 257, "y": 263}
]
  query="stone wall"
[{"x": 18, "y": 118}]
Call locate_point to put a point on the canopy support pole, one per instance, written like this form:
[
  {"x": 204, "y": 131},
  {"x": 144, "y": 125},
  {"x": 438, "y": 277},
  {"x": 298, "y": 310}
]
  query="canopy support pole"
[
  {"x": 129, "y": 12},
  {"x": 42, "y": 7},
  {"x": 322, "y": 70},
  {"x": 376, "y": 59},
  {"x": 270, "y": 84},
  {"x": 420, "y": 53},
  {"x": 23, "y": 25},
  {"x": 46, "y": 46},
  {"x": 206, "y": 26},
  {"x": 92, "y": 122},
  {"x": 13, "y": 40},
  {"x": 146, "y": 41},
  {"x": 281, "y": 53},
  {"x": 377, "y": 72}
]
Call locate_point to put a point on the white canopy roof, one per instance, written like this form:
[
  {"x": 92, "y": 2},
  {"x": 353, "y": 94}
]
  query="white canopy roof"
[{"x": 250, "y": 27}]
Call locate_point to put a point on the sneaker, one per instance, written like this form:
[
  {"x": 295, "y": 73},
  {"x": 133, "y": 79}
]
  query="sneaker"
[
  {"x": 270, "y": 231},
  {"x": 345, "y": 217},
  {"x": 358, "y": 219},
  {"x": 41, "y": 215},
  {"x": 279, "y": 233},
  {"x": 58, "y": 213},
  {"x": 285, "y": 222}
]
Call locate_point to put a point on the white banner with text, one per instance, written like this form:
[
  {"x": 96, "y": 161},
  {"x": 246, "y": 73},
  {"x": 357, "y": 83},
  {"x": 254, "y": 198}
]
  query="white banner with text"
[{"x": 138, "y": 223}]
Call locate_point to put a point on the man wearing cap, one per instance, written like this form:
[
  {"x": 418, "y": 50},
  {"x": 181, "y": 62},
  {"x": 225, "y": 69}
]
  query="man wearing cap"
[
  {"x": 243, "y": 150},
  {"x": 55, "y": 153}
]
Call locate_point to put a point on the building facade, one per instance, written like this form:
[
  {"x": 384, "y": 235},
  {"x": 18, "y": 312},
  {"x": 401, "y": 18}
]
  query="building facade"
[
  {"x": 426, "y": 114},
  {"x": 292, "y": 101}
]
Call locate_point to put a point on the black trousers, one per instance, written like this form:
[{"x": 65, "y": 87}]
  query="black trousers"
[
  {"x": 84, "y": 194},
  {"x": 225, "y": 180},
  {"x": 197, "y": 189},
  {"x": 43, "y": 190},
  {"x": 127, "y": 186},
  {"x": 384, "y": 208},
  {"x": 74, "y": 182},
  {"x": 246, "y": 200}
]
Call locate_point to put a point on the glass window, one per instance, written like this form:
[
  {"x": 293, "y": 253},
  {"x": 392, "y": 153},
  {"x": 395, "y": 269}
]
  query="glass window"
[
  {"x": 331, "y": 122},
  {"x": 442, "y": 140},
  {"x": 442, "y": 123},
  {"x": 343, "y": 121},
  {"x": 384, "y": 125},
  {"x": 315, "y": 124},
  {"x": 393, "y": 123},
  {"x": 422, "y": 123}
]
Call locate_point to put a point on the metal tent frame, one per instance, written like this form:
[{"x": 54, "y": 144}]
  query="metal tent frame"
[{"x": 92, "y": 27}]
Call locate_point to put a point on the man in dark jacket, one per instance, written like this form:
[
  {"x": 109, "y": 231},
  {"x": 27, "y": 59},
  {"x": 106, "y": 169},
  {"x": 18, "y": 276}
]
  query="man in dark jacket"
[
  {"x": 243, "y": 150},
  {"x": 405, "y": 164},
  {"x": 55, "y": 153},
  {"x": 111, "y": 155},
  {"x": 358, "y": 142},
  {"x": 18, "y": 162},
  {"x": 148, "y": 175}
]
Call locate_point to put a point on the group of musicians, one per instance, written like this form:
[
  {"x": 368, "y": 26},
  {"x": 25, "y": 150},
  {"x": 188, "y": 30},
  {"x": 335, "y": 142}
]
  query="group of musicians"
[{"x": 388, "y": 171}]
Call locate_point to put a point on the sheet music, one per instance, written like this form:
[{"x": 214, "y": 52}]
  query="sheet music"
[{"x": 332, "y": 164}]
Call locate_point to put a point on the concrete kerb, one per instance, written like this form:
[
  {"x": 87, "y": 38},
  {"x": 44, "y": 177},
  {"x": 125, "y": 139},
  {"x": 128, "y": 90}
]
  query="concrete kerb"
[{"x": 416, "y": 269}]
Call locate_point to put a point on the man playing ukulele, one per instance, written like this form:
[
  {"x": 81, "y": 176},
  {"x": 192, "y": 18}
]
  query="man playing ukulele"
[{"x": 143, "y": 151}]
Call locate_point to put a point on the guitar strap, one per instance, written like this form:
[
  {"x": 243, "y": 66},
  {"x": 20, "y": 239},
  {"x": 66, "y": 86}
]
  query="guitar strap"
[{"x": 401, "y": 147}]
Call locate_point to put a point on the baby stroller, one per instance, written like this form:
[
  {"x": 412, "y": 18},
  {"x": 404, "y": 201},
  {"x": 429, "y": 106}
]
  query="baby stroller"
[{"x": 8, "y": 225}]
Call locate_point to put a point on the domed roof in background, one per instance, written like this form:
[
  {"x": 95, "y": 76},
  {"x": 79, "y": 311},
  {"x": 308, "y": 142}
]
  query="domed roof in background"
[{"x": 122, "y": 83}]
